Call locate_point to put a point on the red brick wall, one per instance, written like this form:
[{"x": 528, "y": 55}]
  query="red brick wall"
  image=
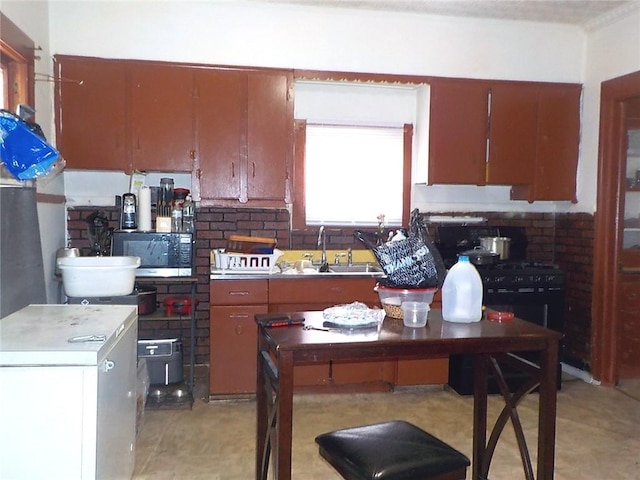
[
  {"x": 574, "y": 253},
  {"x": 565, "y": 239}
]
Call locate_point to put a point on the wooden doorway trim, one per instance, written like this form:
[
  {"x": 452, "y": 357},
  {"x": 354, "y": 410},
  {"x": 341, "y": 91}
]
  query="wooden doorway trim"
[{"x": 605, "y": 322}]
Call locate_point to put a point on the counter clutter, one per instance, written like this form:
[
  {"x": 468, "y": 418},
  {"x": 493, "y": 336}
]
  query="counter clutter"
[{"x": 291, "y": 262}]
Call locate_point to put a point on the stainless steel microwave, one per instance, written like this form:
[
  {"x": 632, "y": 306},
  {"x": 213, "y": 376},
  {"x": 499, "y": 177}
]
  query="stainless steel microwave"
[{"x": 161, "y": 254}]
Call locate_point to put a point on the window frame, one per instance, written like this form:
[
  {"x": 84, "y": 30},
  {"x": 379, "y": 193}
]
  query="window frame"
[
  {"x": 17, "y": 55},
  {"x": 299, "y": 220}
]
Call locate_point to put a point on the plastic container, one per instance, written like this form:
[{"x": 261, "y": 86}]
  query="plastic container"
[
  {"x": 188, "y": 222},
  {"x": 244, "y": 262},
  {"x": 98, "y": 276},
  {"x": 415, "y": 314},
  {"x": 391, "y": 299},
  {"x": 462, "y": 293},
  {"x": 176, "y": 219}
]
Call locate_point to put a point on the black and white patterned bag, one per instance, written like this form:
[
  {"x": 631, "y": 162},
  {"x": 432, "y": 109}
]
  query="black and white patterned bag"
[{"x": 413, "y": 262}]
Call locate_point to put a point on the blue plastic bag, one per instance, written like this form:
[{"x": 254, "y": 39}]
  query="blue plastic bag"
[{"x": 25, "y": 154}]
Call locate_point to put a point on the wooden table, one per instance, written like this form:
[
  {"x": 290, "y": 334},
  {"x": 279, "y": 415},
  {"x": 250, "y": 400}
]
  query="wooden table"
[{"x": 281, "y": 349}]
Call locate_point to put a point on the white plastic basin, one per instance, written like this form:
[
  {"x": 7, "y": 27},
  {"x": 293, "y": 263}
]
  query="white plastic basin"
[{"x": 98, "y": 276}]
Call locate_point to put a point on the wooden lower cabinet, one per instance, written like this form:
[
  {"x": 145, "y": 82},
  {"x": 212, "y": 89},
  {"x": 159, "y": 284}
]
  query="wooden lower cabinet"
[
  {"x": 234, "y": 335},
  {"x": 629, "y": 333}
]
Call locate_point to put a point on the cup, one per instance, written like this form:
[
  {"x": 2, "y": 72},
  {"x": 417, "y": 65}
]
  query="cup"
[{"x": 414, "y": 314}]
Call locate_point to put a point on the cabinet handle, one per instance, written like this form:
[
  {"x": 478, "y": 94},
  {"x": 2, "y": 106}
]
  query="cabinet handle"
[
  {"x": 253, "y": 167},
  {"x": 233, "y": 170},
  {"x": 239, "y": 316},
  {"x": 242, "y": 293},
  {"x": 239, "y": 330}
]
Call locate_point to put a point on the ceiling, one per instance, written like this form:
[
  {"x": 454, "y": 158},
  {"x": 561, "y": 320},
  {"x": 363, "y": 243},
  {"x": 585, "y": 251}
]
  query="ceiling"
[{"x": 576, "y": 12}]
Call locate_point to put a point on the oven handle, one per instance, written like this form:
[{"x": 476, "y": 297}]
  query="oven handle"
[{"x": 630, "y": 270}]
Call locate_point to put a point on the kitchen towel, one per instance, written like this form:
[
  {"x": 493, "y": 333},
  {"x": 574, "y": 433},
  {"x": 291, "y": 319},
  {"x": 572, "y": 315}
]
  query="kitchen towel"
[{"x": 144, "y": 209}]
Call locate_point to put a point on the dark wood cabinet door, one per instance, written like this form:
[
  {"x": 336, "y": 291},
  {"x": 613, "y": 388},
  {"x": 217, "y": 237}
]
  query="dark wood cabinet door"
[
  {"x": 233, "y": 339},
  {"x": 558, "y": 141},
  {"x": 458, "y": 132},
  {"x": 512, "y": 133},
  {"x": 91, "y": 113},
  {"x": 244, "y": 123},
  {"x": 162, "y": 130},
  {"x": 269, "y": 135},
  {"x": 220, "y": 127},
  {"x": 558, "y": 136},
  {"x": 629, "y": 332}
]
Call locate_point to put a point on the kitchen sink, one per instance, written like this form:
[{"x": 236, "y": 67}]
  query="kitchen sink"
[{"x": 357, "y": 268}]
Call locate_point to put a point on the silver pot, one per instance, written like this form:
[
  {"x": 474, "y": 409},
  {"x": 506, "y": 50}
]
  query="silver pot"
[
  {"x": 499, "y": 245},
  {"x": 64, "y": 253}
]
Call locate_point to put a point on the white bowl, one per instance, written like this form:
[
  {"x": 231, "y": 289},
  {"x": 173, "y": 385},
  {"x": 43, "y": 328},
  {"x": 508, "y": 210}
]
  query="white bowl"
[{"x": 98, "y": 276}]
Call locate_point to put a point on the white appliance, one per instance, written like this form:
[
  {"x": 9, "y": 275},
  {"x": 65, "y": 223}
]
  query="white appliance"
[{"x": 68, "y": 392}]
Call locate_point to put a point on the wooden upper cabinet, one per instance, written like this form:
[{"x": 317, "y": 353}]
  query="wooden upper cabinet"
[
  {"x": 512, "y": 133},
  {"x": 458, "y": 132},
  {"x": 162, "y": 128},
  {"x": 523, "y": 134},
  {"x": 557, "y": 146},
  {"x": 91, "y": 113},
  {"x": 245, "y": 128},
  {"x": 220, "y": 120},
  {"x": 269, "y": 135}
]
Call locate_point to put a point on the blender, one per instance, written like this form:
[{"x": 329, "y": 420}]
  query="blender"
[{"x": 99, "y": 234}]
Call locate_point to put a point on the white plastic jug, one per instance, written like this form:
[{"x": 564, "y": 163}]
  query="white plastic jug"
[{"x": 462, "y": 293}]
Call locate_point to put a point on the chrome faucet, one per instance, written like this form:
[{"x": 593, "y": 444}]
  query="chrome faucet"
[
  {"x": 322, "y": 242},
  {"x": 339, "y": 255},
  {"x": 349, "y": 256}
]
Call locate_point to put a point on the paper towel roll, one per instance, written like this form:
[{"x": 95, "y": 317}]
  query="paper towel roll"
[{"x": 144, "y": 209}]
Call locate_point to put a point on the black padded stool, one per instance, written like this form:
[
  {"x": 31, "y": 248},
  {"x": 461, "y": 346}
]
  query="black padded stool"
[{"x": 395, "y": 450}]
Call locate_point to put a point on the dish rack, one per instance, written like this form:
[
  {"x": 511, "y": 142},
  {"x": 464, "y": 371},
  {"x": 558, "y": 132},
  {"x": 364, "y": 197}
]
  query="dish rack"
[{"x": 245, "y": 262}]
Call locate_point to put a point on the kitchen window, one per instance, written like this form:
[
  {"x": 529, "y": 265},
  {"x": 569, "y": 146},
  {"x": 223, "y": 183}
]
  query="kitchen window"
[
  {"x": 349, "y": 175},
  {"x": 17, "y": 60},
  {"x": 353, "y": 152}
]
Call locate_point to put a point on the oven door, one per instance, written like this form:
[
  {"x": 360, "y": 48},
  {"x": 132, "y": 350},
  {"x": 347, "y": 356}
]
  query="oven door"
[{"x": 542, "y": 306}]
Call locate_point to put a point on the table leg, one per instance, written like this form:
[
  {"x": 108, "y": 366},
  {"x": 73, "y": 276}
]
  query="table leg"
[
  {"x": 284, "y": 423},
  {"x": 547, "y": 411},
  {"x": 480, "y": 392},
  {"x": 262, "y": 414}
]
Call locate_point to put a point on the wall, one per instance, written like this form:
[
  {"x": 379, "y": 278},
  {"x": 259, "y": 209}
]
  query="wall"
[
  {"x": 330, "y": 39},
  {"x": 234, "y": 33},
  {"x": 611, "y": 51}
]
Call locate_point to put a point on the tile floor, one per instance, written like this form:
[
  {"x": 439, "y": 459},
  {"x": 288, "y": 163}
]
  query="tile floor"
[{"x": 598, "y": 432}]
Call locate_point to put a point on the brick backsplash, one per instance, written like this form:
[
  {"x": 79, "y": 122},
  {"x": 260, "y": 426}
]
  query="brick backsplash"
[{"x": 565, "y": 239}]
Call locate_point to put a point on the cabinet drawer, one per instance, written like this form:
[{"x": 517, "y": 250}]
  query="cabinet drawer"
[
  {"x": 239, "y": 292},
  {"x": 322, "y": 290}
]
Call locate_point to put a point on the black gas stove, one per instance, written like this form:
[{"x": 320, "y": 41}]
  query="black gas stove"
[
  {"x": 521, "y": 275},
  {"x": 533, "y": 291}
]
